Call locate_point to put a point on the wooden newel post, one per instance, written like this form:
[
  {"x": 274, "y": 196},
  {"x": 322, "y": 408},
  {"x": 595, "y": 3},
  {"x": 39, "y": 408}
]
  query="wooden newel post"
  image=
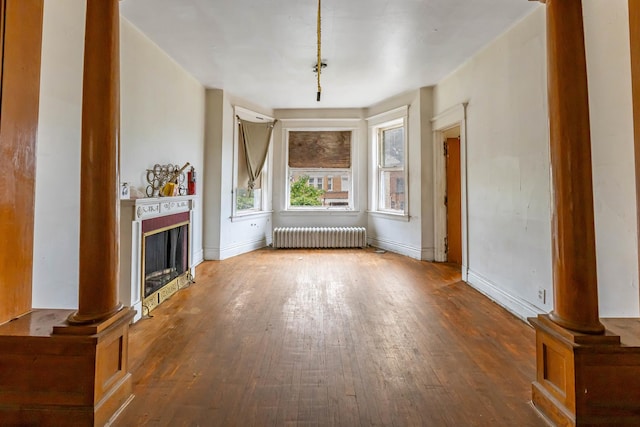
[
  {"x": 99, "y": 207},
  {"x": 573, "y": 233}
]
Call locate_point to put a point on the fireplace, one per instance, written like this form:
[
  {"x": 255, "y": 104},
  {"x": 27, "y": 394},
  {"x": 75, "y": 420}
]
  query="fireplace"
[
  {"x": 165, "y": 258},
  {"x": 156, "y": 250}
]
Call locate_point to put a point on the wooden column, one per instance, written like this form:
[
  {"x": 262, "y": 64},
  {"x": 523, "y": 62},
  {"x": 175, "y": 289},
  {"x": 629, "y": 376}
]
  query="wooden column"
[
  {"x": 20, "y": 42},
  {"x": 573, "y": 233},
  {"x": 99, "y": 207},
  {"x": 586, "y": 375}
]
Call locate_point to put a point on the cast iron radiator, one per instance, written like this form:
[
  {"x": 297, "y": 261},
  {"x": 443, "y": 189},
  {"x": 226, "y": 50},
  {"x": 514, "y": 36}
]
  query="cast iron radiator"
[{"x": 319, "y": 237}]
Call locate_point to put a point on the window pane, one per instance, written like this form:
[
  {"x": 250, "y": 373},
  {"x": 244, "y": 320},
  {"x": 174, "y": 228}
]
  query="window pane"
[
  {"x": 393, "y": 147},
  {"x": 392, "y": 194},
  {"x": 302, "y": 193},
  {"x": 248, "y": 199}
]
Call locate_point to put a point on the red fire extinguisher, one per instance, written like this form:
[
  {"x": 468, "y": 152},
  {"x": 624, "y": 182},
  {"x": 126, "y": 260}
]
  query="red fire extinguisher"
[{"x": 191, "y": 181}]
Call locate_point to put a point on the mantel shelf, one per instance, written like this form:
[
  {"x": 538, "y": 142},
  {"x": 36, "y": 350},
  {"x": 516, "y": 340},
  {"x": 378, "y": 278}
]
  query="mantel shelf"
[{"x": 152, "y": 207}]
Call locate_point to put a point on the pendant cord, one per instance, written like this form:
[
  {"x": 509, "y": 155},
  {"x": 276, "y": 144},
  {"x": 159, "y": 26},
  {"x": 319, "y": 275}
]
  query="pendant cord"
[{"x": 319, "y": 64}]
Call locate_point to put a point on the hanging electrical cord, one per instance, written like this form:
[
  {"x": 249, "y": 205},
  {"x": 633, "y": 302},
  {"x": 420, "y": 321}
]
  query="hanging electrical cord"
[{"x": 319, "y": 63}]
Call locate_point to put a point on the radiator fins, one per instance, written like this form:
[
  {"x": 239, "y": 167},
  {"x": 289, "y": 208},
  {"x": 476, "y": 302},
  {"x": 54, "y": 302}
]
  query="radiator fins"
[{"x": 319, "y": 237}]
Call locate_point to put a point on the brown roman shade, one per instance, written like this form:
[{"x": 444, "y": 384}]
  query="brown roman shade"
[{"x": 320, "y": 149}]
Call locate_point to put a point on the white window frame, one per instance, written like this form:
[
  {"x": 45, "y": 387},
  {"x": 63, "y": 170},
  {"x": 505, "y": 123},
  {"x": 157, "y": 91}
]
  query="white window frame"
[
  {"x": 315, "y": 172},
  {"x": 265, "y": 177},
  {"x": 377, "y": 124}
]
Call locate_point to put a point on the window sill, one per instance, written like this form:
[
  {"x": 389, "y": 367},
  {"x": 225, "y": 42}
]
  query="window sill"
[
  {"x": 250, "y": 216},
  {"x": 390, "y": 215},
  {"x": 323, "y": 212}
]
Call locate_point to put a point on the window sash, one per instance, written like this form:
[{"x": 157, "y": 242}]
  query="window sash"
[
  {"x": 243, "y": 198},
  {"x": 382, "y": 152},
  {"x": 389, "y": 200},
  {"x": 242, "y": 195},
  {"x": 397, "y": 199},
  {"x": 319, "y": 174}
]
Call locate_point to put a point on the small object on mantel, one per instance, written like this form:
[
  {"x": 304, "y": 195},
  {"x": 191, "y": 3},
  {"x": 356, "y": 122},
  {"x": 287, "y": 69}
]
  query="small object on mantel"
[
  {"x": 191, "y": 181},
  {"x": 171, "y": 187},
  {"x": 124, "y": 190},
  {"x": 134, "y": 193}
]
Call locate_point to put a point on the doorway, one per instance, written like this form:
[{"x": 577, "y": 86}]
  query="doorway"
[
  {"x": 451, "y": 123},
  {"x": 453, "y": 199}
]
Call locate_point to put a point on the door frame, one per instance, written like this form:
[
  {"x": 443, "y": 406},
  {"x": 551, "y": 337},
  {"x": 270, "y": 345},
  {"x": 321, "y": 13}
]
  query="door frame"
[{"x": 455, "y": 116}]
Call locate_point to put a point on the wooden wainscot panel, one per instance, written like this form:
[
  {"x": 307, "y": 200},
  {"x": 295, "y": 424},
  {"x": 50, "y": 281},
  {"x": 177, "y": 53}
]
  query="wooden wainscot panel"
[
  {"x": 60, "y": 375},
  {"x": 556, "y": 373},
  {"x": 588, "y": 380}
]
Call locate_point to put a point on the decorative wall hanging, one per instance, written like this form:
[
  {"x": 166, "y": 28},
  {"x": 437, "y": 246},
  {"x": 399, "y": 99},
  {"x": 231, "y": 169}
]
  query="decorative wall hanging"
[{"x": 166, "y": 180}]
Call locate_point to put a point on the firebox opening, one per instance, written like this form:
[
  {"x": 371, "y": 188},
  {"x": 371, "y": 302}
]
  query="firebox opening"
[{"x": 165, "y": 262}]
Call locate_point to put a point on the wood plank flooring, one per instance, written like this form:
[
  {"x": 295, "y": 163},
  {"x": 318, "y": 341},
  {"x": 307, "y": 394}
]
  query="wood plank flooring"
[{"x": 330, "y": 338}]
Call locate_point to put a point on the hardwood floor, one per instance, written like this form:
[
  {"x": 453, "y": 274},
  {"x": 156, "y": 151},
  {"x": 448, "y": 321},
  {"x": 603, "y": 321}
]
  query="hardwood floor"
[{"x": 330, "y": 337}]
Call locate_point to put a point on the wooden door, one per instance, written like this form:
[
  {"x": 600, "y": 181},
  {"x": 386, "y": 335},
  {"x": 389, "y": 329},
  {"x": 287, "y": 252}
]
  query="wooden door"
[
  {"x": 454, "y": 202},
  {"x": 20, "y": 91},
  {"x": 2, "y": 5}
]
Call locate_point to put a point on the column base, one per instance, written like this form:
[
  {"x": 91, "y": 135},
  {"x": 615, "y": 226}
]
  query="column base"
[
  {"x": 60, "y": 374},
  {"x": 588, "y": 380}
]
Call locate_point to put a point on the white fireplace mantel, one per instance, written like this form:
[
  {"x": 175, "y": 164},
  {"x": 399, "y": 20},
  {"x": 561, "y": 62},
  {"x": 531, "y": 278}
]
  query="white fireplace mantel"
[{"x": 132, "y": 213}]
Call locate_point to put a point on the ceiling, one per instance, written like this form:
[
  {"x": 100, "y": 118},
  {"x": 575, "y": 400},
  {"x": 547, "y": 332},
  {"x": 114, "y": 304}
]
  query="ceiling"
[{"x": 264, "y": 51}]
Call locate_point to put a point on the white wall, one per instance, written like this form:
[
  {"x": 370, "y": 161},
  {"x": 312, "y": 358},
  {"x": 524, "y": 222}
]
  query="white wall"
[
  {"x": 509, "y": 237},
  {"x": 508, "y": 162},
  {"x": 212, "y": 176},
  {"x": 56, "y": 229},
  {"x": 398, "y": 234},
  {"x": 609, "y": 73},
  {"x": 162, "y": 111},
  {"x": 427, "y": 180},
  {"x": 226, "y": 236}
]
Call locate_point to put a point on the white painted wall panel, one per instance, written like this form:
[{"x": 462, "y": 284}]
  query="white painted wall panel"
[
  {"x": 509, "y": 183},
  {"x": 162, "y": 110},
  {"x": 508, "y": 164},
  {"x": 226, "y": 236},
  {"x": 609, "y": 73}
]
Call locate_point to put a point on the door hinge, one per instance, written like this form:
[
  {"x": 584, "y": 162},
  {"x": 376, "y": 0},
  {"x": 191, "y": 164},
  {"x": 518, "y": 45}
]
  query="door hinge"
[
  {"x": 445, "y": 148},
  {"x": 446, "y": 245},
  {"x": 446, "y": 200}
]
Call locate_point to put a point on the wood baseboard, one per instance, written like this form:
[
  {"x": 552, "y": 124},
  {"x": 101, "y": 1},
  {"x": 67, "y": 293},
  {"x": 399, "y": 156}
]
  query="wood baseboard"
[
  {"x": 76, "y": 376},
  {"x": 588, "y": 380}
]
